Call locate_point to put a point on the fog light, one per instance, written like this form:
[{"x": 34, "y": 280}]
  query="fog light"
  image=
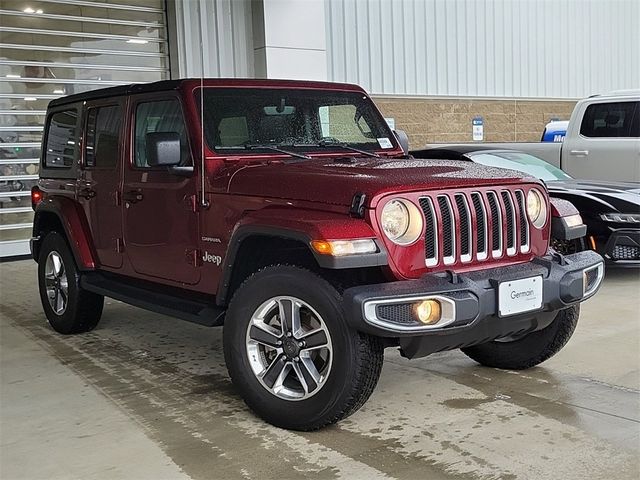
[{"x": 428, "y": 311}]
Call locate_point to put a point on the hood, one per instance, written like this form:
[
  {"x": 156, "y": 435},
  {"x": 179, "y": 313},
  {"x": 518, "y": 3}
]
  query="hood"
[
  {"x": 337, "y": 181},
  {"x": 623, "y": 197}
]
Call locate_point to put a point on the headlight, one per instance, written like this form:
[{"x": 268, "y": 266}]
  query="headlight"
[
  {"x": 536, "y": 208},
  {"x": 401, "y": 221},
  {"x": 621, "y": 217}
]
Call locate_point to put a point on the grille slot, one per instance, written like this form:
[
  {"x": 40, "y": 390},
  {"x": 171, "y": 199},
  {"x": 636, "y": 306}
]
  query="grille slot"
[
  {"x": 524, "y": 222},
  {"x": 496, "y": 224},
  {"x": 431, "y": 230},
  {"x": 510, "y": 215},
  {"x": 465, "y": 227},
  {"x": 481, "y": 225},
  {"x": 448, "y": 230}
]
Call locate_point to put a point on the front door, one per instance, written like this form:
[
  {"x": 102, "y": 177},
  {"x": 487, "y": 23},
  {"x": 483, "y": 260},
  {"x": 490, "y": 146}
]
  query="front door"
[
  {"x": 100, "y": 179},
  {"x": 160, "y": 224}
]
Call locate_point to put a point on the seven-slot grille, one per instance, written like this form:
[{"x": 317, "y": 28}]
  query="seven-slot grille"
[{"x": 501, "y": 226}]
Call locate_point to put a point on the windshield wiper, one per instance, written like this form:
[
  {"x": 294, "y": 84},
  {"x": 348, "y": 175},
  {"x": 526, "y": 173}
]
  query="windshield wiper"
[
  {"x": 258, "y": 146},
  {"x": 345, "y": 146}
]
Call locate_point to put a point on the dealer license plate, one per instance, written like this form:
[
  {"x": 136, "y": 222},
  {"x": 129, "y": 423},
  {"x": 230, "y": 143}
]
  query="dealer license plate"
[{"x": 518, "y": 296}]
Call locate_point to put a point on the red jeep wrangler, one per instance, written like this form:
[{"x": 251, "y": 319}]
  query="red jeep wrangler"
[{"x": 290, "y": 212}]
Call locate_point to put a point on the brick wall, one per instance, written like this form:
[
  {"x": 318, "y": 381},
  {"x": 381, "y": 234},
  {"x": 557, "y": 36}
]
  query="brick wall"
[{"x": 449, "y": 120}]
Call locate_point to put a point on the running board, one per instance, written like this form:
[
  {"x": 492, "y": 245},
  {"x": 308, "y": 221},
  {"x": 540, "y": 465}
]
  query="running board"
[{"x": 191, "y": 310}]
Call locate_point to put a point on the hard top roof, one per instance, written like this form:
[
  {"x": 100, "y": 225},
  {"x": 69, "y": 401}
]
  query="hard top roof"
[{"x": 167, "y": 85}]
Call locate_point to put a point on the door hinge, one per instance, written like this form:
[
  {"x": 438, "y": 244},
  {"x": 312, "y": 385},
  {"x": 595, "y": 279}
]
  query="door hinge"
[
  {"x": 119, "y": 245},
  {"x": 194, "y": 257}
]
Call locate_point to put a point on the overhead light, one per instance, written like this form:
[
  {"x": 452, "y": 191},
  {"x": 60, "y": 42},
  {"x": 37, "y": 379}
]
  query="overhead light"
[
  {"x": 30, "y": 99},
  {"x": 138, "y": 41},
  {"x": 11, "y": 75},
  {"x": 59, "y": 91},
  {"x": 31, "y": 10}
]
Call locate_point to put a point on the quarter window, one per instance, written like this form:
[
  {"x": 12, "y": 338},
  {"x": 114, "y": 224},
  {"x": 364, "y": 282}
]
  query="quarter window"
[
  {"x": 618, "y": 119},
  {"x": 103, "y": 136},
  {"x": 62, "y": 140},
  {"x": 163, "y": 116}
]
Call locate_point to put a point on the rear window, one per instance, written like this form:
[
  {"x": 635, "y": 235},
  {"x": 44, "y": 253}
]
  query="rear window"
[
  {"x": 62, "y": 144},
  {"x": 619, "y": 119}
]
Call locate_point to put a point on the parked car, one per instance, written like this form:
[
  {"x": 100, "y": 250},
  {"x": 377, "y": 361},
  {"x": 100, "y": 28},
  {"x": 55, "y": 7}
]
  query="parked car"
[
  {"x": 555, "y": 131},
  {"x": 290, "y": 212},
  {"x": 602, "y": 141},
  {"x": 611, "y": 210}
]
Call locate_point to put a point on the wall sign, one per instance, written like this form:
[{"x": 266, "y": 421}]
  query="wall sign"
[{"x": 477, "y": 126}]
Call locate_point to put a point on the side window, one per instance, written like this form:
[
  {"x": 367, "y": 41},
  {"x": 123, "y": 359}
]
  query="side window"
[
  {"x": 159, "y": 116},
  {"x": 61, "y": 140},
  {"x": 103, "y": 136},
  {"x": 610, "y": 120}
]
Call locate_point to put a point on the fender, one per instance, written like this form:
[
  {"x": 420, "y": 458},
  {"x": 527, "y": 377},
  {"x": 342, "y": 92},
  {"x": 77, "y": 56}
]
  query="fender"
[
  {"x": 562, "y": 227},
  {"x": 302, "y": 226},
  {"x": 75, "y": 226}
]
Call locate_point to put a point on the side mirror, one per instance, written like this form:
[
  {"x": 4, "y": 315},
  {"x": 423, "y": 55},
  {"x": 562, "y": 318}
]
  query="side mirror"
[
  {"x": 403, "y": 140},
  {"x": 163, "y": 149}
]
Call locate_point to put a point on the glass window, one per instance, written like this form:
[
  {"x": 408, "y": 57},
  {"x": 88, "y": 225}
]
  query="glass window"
[
  {"x": 521, "y": 162},
  {"x": 159, "y": 116},
  {"x": 61, "y": 140},
  {"x": 103, "y": 136},
  {"x": 303, "y": 120},
  {"x": 611, "y": 120}
]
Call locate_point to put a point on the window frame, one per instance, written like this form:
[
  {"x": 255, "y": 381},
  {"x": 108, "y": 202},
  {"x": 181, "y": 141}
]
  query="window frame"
[
  {"x": 66, "y": 171},
  {"x": 135, "y": 101},
  {"x": 634, "y": 112},
  {"x": 111, "y": 102}
]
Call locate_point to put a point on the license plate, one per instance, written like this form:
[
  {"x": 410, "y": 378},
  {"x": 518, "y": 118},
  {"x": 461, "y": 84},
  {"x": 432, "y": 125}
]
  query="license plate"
[{"x": 518, "y": 296}]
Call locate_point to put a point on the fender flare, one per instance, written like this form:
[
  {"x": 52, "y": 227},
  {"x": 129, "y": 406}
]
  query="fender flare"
[
  {"x": 560, "y": 229},
  {"x": 76, "y": 230}
]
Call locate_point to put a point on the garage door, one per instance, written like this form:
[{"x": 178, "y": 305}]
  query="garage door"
[{"x": 52, "y": 48}]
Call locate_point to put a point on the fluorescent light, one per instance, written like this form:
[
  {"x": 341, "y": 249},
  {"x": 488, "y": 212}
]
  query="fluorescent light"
[
  {"x": 58, "y": 91},
  {"x": 29, "y": 10},
  {"x": 137, "y": 40},
  {"x": 39, "y": 11},
  {"x": 11, "y": 75},
  {"x": 30, "y": 99}
]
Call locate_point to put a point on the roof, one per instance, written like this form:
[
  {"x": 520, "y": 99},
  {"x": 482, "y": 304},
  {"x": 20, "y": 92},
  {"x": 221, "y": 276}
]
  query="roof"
[
  {"x": 619, "y": 93},
  {"x": 167, "y": 85}
]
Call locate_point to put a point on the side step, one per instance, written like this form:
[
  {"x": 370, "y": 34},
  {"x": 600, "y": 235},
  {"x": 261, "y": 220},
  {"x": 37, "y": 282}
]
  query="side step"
[{"x": 149, "y": 298}]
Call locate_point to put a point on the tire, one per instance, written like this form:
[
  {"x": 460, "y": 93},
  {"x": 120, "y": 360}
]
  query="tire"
[
  {"x": 347, "y": 364},
  {"x": 532, "y": 349},
  {"x": 75, "y": 311}
]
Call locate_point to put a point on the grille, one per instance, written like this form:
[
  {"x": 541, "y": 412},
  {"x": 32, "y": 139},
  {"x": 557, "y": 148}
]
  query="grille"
[
  {"x": 501, "y": 226},
  {"x": 626, "y": 252},
  {"x": 397, "y": 313}
]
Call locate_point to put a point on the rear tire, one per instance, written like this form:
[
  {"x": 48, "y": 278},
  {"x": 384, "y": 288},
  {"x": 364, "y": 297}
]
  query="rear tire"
[
  {"x": 532, "y": 349},
  {"x": 68, "y": 307},
  {"x": 345, "y": 365}
]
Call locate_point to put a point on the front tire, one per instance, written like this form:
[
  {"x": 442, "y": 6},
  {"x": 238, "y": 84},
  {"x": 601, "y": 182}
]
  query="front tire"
[
  {"x": 530, "y": 350},
  {"x": 291, "y": 354},
  {"x": 68, "y": 307}
]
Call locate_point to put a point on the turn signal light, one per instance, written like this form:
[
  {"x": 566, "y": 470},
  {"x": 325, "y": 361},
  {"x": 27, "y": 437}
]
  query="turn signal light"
[
  {"x": 36, "y": 197},
  {"x": 428, "y": 311},
  {"x": 339, "y": 248}
]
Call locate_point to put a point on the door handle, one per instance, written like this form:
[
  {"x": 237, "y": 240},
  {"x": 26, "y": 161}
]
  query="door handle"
[
  {"x": 579, "y": 152},
  {"x": 132, "y": 196},
  {"x": 87, "y": 193}
]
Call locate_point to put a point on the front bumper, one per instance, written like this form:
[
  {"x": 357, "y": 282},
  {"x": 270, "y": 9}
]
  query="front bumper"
[{"x": 470, "y": 301}]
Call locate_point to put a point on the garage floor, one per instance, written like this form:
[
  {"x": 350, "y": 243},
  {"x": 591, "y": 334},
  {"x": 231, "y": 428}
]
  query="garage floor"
[{"x": 147, "y": 397}]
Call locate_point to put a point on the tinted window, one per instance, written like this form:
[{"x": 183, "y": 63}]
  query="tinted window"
[
  {"x": 103, "y": 136},
  {"x": 61, "y": 140},
  {"x": 618, "y": 119},
  {"x": 161, "y": 116},
  {"x": 297, "y": 119}
]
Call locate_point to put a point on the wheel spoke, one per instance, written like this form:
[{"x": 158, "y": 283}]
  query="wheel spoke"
[
  {"x": 309, "y": 373},
  {"x": 306, "y": 380},
  {"x": 315, "y": 339},
  {"x": 49, "y": 282},
  {"x": 274, "y": 371},
  {"x": 289, "y": 312},
  {"x": 264, "y": 337},
  {"x": 56, "y": 299},
  {"x": 57, "y": 265}
]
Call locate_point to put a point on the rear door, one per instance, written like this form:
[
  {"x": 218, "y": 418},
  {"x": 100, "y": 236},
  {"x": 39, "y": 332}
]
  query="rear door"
[
  {"x": 605, "y": 145},
  {"x": 99, "y": 185},
  {"x": 160, "y": 224}
]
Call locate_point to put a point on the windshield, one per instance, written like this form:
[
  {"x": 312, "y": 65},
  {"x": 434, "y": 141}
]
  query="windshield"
[
  {"x": 239, "y": 119},
  {"x": 522, "y": 162}
]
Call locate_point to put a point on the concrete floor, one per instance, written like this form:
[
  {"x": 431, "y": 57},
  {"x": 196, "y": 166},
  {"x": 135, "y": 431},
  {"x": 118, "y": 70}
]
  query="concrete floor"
[{"x": 146, "y": 396}]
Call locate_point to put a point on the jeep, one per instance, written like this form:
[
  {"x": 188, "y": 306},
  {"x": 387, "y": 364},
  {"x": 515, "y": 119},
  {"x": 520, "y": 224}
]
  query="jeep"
[{"x": 291, "y": 213}]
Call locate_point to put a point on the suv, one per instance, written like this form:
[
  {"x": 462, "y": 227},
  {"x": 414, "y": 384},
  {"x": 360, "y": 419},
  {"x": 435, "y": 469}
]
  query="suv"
[{"x": 290, "y": 212}]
